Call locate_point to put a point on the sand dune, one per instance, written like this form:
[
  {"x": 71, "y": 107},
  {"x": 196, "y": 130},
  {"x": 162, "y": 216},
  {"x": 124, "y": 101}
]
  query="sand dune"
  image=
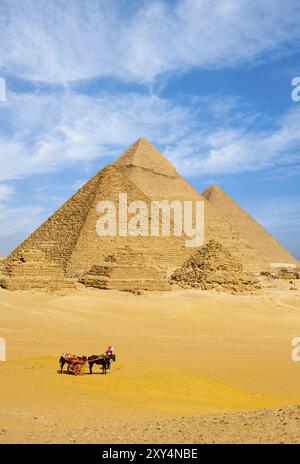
[{"x": 185, "y": 359}]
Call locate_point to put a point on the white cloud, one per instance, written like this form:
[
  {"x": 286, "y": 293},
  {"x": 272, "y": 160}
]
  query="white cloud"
[
  {"x": 239, "y": 149},
  {"x": 47, "y": 133},
  {"x": 279, "y": 214},
  {"x": 69, "y": 40},
  {"x": 6, "y": 191},
  {"x": 16, "y": 221}
]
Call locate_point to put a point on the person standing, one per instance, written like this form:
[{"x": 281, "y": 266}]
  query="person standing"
[{"x": 109, "y": 353}]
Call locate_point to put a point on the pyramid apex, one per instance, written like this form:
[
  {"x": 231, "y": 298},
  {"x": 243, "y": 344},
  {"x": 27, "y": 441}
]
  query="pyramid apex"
[
  {"x": 143, "y": 139},
  {"x": 142, "y": 154},
  {"x": 211, "y": 190},
  {"x": 143, "y": 142},
  {"x": 214, "y": 187}
]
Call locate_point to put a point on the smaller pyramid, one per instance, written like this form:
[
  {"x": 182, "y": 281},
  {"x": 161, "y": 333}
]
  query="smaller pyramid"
[
  {"x": 126, "y": 270},
  {"x": 31, "y": 269},
  {"x": 214, "y": 268},
  {"x": 258, "y": 238}
]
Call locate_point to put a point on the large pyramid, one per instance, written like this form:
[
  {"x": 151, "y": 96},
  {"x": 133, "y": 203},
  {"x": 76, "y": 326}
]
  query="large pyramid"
[
  {"x": 69, "y": 238},
  {"x": 268, "y": 247},
  {"x": 147, "y": 168},
  {"x": 68, "y": 245}
]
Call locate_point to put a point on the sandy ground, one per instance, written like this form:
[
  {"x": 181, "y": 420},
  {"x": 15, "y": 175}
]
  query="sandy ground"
[{"x": 192, "y": 367}]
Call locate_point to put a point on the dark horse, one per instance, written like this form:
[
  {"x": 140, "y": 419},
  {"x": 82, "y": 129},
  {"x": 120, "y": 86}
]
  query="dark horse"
[
  {"x": 102, "y": 360},
  {"x": 69, "y": 359}
]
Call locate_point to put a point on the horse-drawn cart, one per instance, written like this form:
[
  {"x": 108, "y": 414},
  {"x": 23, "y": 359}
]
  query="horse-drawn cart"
[{"x": 76, "y": 364}]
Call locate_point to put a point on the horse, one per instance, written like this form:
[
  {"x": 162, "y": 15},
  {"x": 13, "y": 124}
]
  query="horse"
[
  {"x": 103, "y": 360},
  {"x": 69, "y": 359}
]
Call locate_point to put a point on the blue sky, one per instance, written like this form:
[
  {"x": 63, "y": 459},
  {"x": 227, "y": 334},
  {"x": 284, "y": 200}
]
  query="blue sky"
[{"x": 207, "y": 82}]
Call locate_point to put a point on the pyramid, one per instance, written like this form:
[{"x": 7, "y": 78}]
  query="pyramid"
[
  {"x": 126, "y": 269},
  {"x": 213, "y": 267},
  {"x": 267, "y": 246},
  {"x": 67, "y": 245},
  {"x": 91, "y": 249},
  {"x": 31, "y": 269},
  {"x": 69, "y": 240},
  {"x": 159, "y": 180}
]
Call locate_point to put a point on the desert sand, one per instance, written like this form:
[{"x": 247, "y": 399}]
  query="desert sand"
[{"x": 192, "y": 367}]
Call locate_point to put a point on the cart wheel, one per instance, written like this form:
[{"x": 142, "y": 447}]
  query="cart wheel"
[
  {"x": 71, "y": 369},
  {"x": 77, "y": 369},
  {"x": 82, "y": 369}
]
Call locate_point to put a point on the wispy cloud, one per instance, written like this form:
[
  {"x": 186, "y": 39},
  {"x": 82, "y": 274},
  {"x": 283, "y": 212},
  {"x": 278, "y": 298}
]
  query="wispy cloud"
[
  {"x": 16, "y": 220},
  {"x": 50, "y": 126},
  {"x": 60, "y": 41},
  {"x": 48, "y": 133},
  {"x": 19, "y": 221},
  {"x": 231, "y": 149},
  {"x": 6, "y": 191},
  {"x": 279, "y": 214}
]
